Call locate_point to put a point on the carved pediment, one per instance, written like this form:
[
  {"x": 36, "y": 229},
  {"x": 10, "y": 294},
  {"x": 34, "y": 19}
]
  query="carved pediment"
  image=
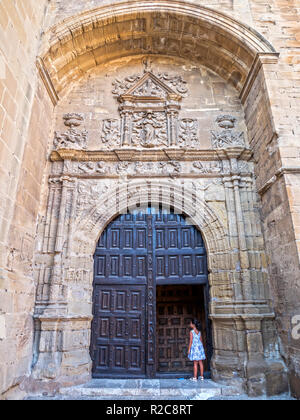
[
  {"x": 149, "y": 109},
  {"x": 150, "y": 87}
]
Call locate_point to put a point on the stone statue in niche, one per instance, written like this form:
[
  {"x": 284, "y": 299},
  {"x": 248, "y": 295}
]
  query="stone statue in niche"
[
  {"x": 228, "y": 137},
  {"x": 73, "y": 138},
  {"x": 150, "y": 129}
]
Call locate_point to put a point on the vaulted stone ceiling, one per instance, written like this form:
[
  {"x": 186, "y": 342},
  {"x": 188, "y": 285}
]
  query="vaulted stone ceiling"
[{"x": 139, "y": 27}]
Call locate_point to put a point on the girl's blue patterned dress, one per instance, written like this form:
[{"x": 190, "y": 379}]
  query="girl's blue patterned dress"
[{"x": 197, "y": 350}]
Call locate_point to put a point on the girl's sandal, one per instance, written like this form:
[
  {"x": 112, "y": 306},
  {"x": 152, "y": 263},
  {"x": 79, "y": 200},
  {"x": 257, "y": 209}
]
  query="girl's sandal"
[
  {"x": 193, "y": 379},
  {"x": 201, "y": 378}
]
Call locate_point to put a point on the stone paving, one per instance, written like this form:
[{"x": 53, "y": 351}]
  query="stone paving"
[{"x": 151, "y": 389}]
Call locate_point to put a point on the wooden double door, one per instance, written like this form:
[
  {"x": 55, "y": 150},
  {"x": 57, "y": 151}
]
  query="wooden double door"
[{"x": 150, "y": 279}]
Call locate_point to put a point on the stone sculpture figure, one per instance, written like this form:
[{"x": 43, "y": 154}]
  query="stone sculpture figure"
[{"x": 149, "y": 129}]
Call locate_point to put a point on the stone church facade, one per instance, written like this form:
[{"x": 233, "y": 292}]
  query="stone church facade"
[{"x": 122, "y": 108}]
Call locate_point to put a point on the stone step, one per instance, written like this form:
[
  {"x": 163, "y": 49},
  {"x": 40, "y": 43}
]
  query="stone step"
[{"x": 148, "y": 389}]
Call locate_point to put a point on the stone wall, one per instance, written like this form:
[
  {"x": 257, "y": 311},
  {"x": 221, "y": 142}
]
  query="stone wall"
[
  {"x": 273, "y": 100},
  {"x": 25, "y": 112},
  {"x": 275, "y": 141},
  {"x": 62, "y": 9}
]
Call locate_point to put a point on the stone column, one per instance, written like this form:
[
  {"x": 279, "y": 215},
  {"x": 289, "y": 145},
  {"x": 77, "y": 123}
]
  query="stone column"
[
  {"x": 126, "y": 128},
  {"x": 62, "y": 341},
  {"x": 57, "y": 293},
  {"x": 240, "y": 258},
  {"x": 172, "y": 110},
  {"x": 173, "y": 127},
  {"x": 249, "y": 317}
]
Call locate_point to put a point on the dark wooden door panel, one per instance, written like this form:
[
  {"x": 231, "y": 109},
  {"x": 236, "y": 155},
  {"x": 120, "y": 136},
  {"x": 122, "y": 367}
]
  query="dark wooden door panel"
[
  {"x": 180, "y": 255},
  {"x": 119, "y": 330}
]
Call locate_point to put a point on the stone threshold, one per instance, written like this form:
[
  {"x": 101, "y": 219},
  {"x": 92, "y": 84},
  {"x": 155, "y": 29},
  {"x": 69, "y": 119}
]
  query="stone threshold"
[{"x": 145, "y": 389}]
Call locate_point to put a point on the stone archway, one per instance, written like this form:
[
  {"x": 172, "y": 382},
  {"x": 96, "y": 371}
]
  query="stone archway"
[
  {"x": 78, "y": 266},
  {"x": 94, "y": 37},
  {"x": 128, "y": 195},
  {"x": 144, "y": 259}
]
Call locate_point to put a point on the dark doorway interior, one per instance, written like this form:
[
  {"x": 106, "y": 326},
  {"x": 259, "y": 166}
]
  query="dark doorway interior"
[{"x": 176, "y": 307}]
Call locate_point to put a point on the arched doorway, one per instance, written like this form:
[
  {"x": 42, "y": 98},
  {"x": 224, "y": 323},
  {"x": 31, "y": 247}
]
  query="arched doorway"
[{"x": 150, "y": 280}]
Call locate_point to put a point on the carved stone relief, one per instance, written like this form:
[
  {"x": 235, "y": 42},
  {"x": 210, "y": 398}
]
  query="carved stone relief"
[
  {"x": 188, "y": 133},
  {"x": 172, "y": 167},
  {"x": 228, "y": 137},
  {"x": 244, "y": 167},
  {"x": 149, "y": 88},
  {"x": 149, "y": 110},
  {"x": 88, "y": 195},
  {"x": 149, "y": 129},
  {"x": 97, "y": 193},
  {"x": 93, "y": 167},
  {"x": 111, "y": 132},
  {"x": 72, "y": 138},
  {"x": 207, "y": 167}
]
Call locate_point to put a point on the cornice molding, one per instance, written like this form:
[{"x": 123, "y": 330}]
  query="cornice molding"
[
  {"x": 163, "y": 155},
  {"x": 278, "y": 174}
]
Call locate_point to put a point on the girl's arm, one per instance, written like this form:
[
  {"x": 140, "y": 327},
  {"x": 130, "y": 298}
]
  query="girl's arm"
[{"x": 191, "y": 341}]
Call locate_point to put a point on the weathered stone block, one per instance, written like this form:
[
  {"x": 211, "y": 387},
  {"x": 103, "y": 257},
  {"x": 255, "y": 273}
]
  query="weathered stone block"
[{"x": 2, "y": 327}]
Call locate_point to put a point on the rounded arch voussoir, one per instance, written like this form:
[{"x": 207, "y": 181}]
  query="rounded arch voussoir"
[
  {"x": 177, "y": 28},
  {"x": 110, "y": 205}
]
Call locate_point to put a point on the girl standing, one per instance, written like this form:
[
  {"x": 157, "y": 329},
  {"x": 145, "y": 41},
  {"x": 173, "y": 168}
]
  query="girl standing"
[{"x": 196, "y": 349}]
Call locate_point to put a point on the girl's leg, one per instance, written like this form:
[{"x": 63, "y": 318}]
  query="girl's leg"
[
  {"x": 201, "y": 368},
  {"x": 196, "y": 370}
]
